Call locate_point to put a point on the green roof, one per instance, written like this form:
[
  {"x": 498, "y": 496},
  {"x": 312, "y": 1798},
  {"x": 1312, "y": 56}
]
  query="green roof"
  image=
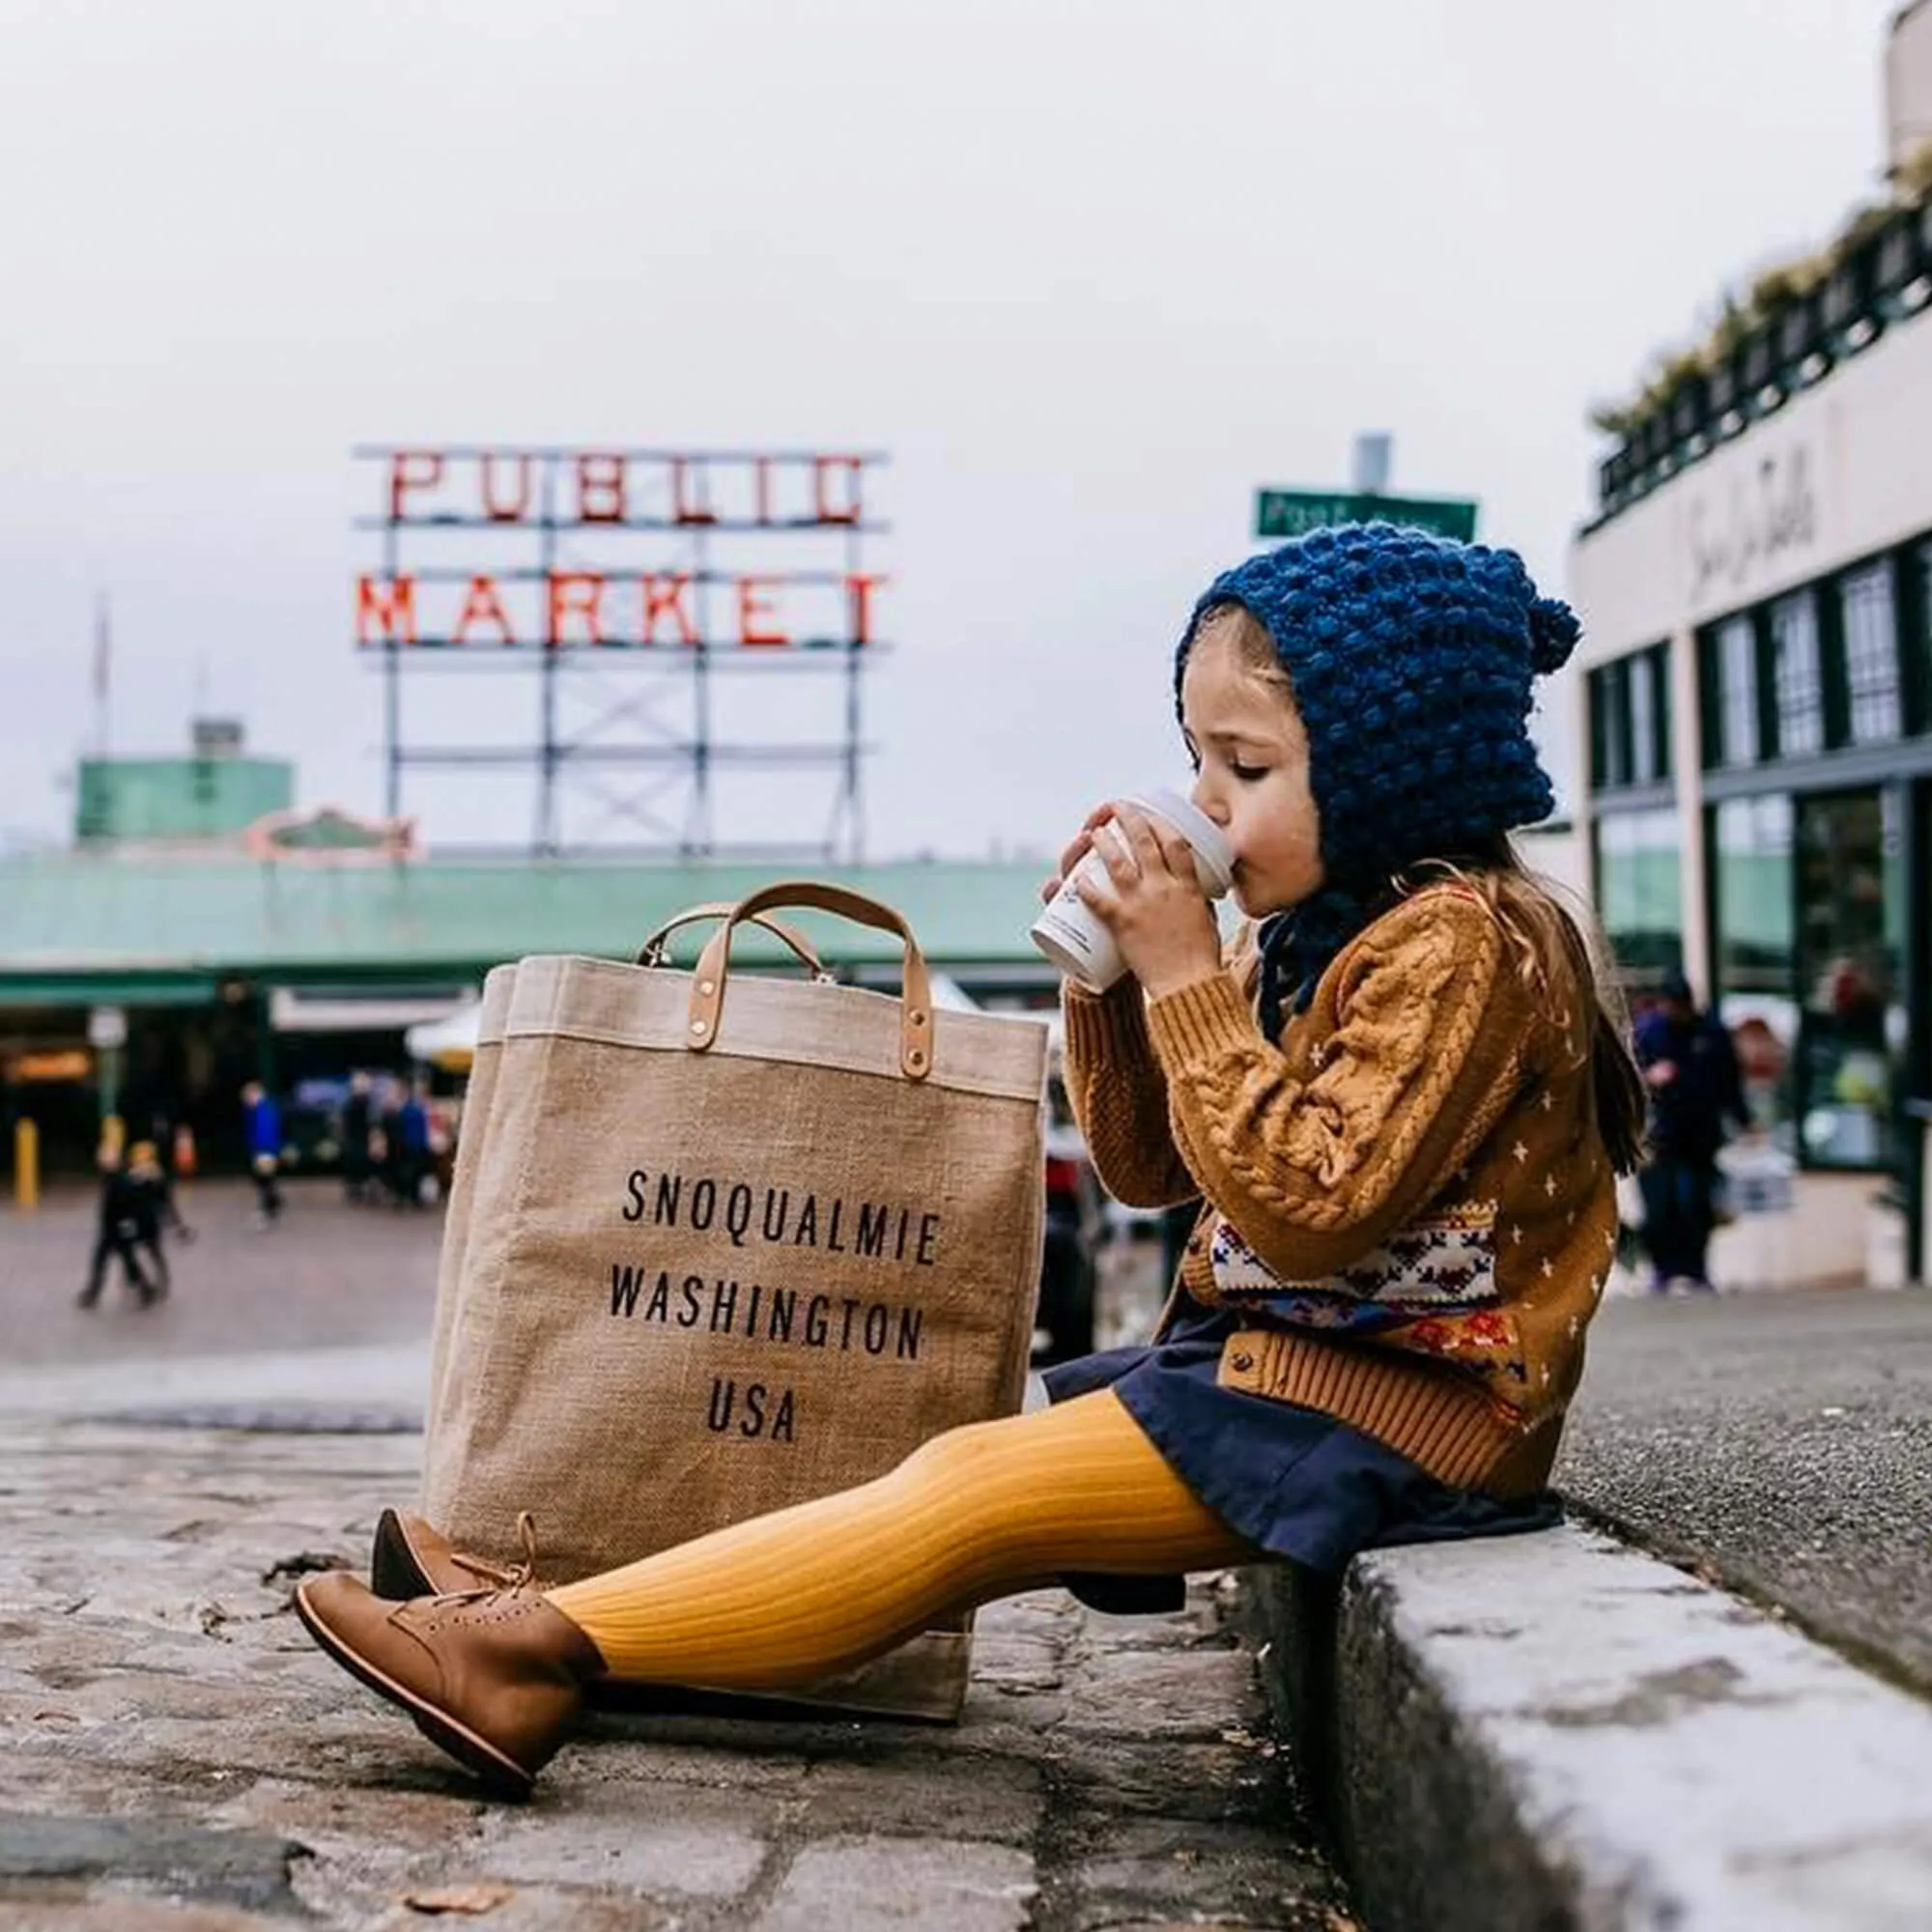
[{"x": 114, "y": 925}]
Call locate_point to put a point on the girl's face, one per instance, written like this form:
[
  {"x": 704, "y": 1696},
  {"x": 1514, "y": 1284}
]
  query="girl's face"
[{"x": 1250, "y": 753}]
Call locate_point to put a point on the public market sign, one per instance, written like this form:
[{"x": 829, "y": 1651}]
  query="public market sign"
[
  {"x": 1293, "y": 512},
  {"x": 614, "y": 549}
]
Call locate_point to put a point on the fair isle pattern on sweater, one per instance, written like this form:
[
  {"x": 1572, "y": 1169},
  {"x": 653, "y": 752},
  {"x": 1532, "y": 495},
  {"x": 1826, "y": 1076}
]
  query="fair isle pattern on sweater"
[
  {"x": 1445, "y": 1264},
  {"x": 1448, "y": 1261}
]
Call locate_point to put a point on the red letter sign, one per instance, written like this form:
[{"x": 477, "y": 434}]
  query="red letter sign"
[
  {"x": 574, "y": 593},
  {"x": 482, "y": 605},
  {"x": 821, "y": 467},
  {"x": 684, "y": 511},
  {"x": 665, "y": 595},
  {"x": 390, "y": 602},
  {"x": 599, "y": 489},
  {"x": 859, "y": 587},
  {"x": 752, "y": 610},
  {"x": 411, "y": 470},
  {"x": 512, "y": 512}
]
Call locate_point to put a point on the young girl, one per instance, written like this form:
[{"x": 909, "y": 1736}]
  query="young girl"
[{"x": 1401, "y": 1107}]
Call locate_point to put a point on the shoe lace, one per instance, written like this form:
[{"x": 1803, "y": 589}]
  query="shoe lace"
[{"x": 500, "y": 1579}]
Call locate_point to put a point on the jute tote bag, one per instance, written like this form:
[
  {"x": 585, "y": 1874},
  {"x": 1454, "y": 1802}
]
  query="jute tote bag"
[
  {"x": 482, "y": 1085},
  {"x": 722, "y": 1243}
]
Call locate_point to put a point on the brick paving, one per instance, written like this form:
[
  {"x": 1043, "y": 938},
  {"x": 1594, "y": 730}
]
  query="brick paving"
[{"x": 178, "y": 1758}]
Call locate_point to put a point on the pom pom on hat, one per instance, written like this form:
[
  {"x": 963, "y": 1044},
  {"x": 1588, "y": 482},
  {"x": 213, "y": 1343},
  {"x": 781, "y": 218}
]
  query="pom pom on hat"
[{"x": 1553, "y": 633}]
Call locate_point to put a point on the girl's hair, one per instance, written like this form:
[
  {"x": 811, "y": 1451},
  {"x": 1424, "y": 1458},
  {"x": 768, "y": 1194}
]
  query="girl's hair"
[
  {"x": 1558, "y": 964},
  {"x": 1547, "y": 938}
]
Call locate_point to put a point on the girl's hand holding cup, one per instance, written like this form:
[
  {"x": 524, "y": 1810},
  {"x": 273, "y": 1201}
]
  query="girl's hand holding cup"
[
  {"x": 1133, "y": 896},
  {"x": 1078, "y": 849}
]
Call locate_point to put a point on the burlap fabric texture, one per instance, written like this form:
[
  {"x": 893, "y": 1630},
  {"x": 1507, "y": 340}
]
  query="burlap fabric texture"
[{"x": 721, "y": 1242}]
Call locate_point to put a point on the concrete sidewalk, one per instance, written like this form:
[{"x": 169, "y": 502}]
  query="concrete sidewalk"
[
  {"x": 1558, "y": 1731},
  {"x": 177, "y": 1755}
]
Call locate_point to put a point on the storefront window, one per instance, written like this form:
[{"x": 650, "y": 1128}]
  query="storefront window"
[
  {"x": 1871, "y": 655},
  {"x": 1630, "y": 720},
  {"x": 1915, "y": 643},
  {"x": 1640, "y": 891},
  {"x": 1736, "y": 657},
  {"x": 1798, "y": 686},
  {"x": 1609, "y": 727},
  {"x": 1645, "y": 719},
  {"x": 1850, "y": 1022},
  {"x": 1755, "y": 902}
]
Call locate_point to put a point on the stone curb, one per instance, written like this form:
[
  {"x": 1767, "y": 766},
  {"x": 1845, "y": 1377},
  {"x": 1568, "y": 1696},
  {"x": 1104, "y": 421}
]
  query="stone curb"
[{"x": 1558, "y": 1732}]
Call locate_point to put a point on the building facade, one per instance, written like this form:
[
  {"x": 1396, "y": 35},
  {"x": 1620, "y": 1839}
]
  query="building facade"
[{"x": 1757, "y": 717}]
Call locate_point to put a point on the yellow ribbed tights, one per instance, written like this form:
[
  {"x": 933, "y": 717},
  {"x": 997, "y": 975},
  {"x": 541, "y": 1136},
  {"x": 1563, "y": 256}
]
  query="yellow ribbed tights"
[{"x": 978, "y": 1513}]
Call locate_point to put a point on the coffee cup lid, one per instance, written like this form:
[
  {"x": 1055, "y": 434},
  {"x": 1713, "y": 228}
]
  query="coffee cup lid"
[{"x": 1208, "y": 841}]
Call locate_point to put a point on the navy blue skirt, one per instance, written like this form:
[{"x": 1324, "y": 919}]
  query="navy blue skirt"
[{"x": 1292, "y": 1481}]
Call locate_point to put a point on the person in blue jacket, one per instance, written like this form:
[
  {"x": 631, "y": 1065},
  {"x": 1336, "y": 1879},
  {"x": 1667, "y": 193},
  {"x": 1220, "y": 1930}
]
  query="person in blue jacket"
[{"x": 263, "y": 1123}]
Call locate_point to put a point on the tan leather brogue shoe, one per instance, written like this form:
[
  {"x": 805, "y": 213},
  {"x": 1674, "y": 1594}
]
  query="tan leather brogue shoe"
[
  {"x": 411, "y": 1558},
  {"x": 494, "y": 1677}
]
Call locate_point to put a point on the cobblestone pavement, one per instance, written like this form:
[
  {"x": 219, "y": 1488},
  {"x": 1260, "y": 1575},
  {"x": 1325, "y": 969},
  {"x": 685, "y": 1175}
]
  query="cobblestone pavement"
[{"x": 175, "y": 1754}]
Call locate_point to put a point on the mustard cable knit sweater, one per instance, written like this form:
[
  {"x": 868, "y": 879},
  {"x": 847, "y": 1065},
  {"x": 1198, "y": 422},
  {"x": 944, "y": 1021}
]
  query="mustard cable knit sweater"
[{"x": 1407, "y": 1201}]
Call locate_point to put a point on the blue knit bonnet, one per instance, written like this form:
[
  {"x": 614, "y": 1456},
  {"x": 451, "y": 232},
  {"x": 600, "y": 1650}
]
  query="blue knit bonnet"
[{"x": 1411, "y": 658}]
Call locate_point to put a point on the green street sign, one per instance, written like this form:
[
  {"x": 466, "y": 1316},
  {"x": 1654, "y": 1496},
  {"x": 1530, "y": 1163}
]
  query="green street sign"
[{"x": 1293, "y": 512}]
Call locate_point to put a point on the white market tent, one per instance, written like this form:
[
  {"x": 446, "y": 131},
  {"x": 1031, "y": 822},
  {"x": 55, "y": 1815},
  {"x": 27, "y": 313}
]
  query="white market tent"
[{"x": 448, "y": 1043}]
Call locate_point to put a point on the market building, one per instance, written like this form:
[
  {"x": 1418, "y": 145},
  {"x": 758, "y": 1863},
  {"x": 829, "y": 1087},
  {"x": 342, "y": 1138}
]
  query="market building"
[
  {"x": 202, "y": 931},
  {"x": 1757, "y": 694}
]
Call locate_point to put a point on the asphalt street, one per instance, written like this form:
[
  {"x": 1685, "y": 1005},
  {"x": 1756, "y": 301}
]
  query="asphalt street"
[{"x": 1781, "y": 1444}]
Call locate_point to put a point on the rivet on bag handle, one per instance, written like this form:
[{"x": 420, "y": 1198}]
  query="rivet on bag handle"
[
  {"x": 653, "y": 951},
  {"x": 707, "y": 993}
]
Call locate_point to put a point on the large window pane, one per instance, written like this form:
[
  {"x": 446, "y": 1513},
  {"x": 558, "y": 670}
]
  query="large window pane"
[
  {"x": 1915, "y": 645},
  {"x": 1659, "y": 678},
  {"x": 1643, "y": 718},
  {"x": 1797, "y": 684},
  {"x": 1851, "y": 1019},
  {"x": 1640, "y": 891},
  {"x": 1736, "y": 693},
  {"x": 1610, "y": 723},
  {"x": 1871, "y": 655},
  {"x": 1753, "y": 881}
]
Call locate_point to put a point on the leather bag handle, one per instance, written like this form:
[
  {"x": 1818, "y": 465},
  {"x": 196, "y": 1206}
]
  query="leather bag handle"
[
  {"x": 707, "y": 992},
  {"x": 653, "y": 951}
]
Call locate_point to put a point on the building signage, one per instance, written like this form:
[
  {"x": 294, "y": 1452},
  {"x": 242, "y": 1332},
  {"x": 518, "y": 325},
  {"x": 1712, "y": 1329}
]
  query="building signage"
[
  {"x": 1741, "y": 526},
  {"x": 616, "y": 548},
  {"x": 1293, "y": 512}
]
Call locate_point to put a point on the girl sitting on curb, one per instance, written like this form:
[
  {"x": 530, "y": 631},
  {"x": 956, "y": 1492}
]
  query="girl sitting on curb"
[{"x": 1401, "y": 1105}]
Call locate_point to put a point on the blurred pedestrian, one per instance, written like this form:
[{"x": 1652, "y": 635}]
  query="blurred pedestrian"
[
  {"x": 391, "y": 1155},
  {"x": 118, "y": 1236},
  {"x": 262, "y": 1120},
  {"x": 358, "y": 1120},
  {"x": 1691, "y": 1069},
  {"x": 412, "y": 1126},
  {"x": 154, "y": 1212}
]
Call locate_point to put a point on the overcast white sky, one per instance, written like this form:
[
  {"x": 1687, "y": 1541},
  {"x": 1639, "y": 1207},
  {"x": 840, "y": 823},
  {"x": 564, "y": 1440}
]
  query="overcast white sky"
[{"x": 1089, "y": 270}]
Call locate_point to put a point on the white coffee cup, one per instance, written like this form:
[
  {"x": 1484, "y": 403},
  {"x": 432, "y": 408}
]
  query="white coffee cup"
[{"x": 1076, "y": 942}]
